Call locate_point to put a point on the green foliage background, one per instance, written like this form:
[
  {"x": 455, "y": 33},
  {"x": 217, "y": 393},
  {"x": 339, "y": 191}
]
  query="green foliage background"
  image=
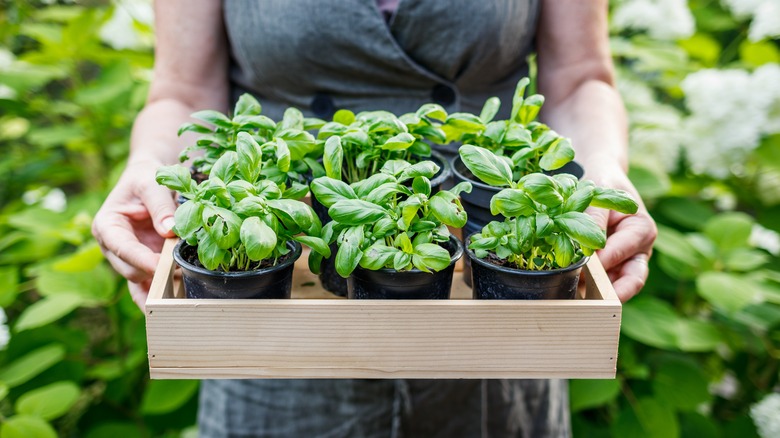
[{"x": 698, "y": 347}]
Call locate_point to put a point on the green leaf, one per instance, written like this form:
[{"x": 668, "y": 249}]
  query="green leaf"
[
  {"x": 377, "y": 256},
  {"x": 48, "y": 402},
  {"x": 9, "y": 285},
  {"x": 614, "y": 199},
  {"x": 349, "y": 253},
  {"x": 430, "y": 257},
  {"x": 486, "y": 166},
  {"x": 398, "y": 142},
  {"x": 582, "y": 228},
  {"x": 345, "y": 117},
  {"x": 424, "y": 168},
  {"x": 489, "y": 109},
  {"x": 296, "y": 216},
  {"x": 542, "y": 189},
  {"x": 23, "y": 426},
  {"x": 209, "y": 253},
  {"x": 564, "y": 250},
  {"x": 333, "y": 157},
  {"x": 31, "y": 364},
  {"x": 247, "y": 105},
  {"x": 729, "y": 230},
  {"x": 651, "y": 322},
  {"x": 282, "y": 155},
  {"x": 511, "y": 203},
  {"x": 422, "y": 185},
  {"x": 744, "y": 259},
  {"x": 213, "y": 117},
  {"x": 225, "y": 167},
  {"x": 586, "y": 394},
  {"x": 292, "y": 119},
  {"x": 193, "y": 127},
  {"x": 47, "y": 310},
  {"x": 681, "y": 384},
  {"x": 328, "y": 191},
  {"x": 188, "y": 219},
  {"x": 649, "y": 418},
  {"x": 315, "y": 243},
  {"x": 96, "y": 285},
  {"x": 394, "y": 167},
  {"x": 581, "y": 198},
  {"x": 366, "y": 186},
  {"x": 175, "y": 178},
  {"x": 756, "y": 54},
  {"x": 432, "y": 111},
  {"x": 249, "y": 156},
  {"x": 530, "y": 109},
  {"x": 164, "y": 396},
  {"x": 258, "y": 238},
  {"x": 356, "y": 212},
  {"x": 728, "y": 292},
  {"x": 446, "y": 207},
  {"x": 517, "y": 98},
  {"x": 222, "y": 225}
]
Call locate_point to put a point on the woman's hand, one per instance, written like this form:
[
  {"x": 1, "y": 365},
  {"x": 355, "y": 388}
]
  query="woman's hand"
[
  {"x": 132, "y": 224},
  {"x": 629, "y": 237}
]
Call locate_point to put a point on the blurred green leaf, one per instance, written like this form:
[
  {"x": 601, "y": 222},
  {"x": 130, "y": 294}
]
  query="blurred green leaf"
[
  {"x": 30, "y": 365},
  {"x": 164, "y": 396},
  {"x": 729, "y": 230},
  {"x": 9, "y": 285},
  {"x": 686, "y": 212},
  {"x": 48, "y": 402},
  {"x": 649, "y": 182},
  {"x": 95, "y": 286},
  {"x": 681, "y": 384},
  {"x": 744, "y": 259},
  {"x": 696, "y": 425},
  {"x": 584, "y": 394},
  {"x": 115, "y": 430},
  {"x": 22, "y": 426},
  {"x": 728, "y": 292},
  {"x": 649, "y": 418},
  {"x": 759, "y": 53},
  {"x": 650, "y": 321},
  {"x": 47, "y": 310},
  {"x": 703, "y": 47}
]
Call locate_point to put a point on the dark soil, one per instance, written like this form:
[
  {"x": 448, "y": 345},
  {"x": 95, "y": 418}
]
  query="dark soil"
[{"x": 190, "y": 254}]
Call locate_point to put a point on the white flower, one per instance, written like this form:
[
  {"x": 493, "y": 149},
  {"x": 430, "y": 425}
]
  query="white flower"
[
  {"x": 764, "y": 238},
  {"x": 5, "y": 334},
  {"x": 727, "y": 387},
  {"x": 662, "y": 19},
  {"x": 50, "y": 199},
  {"x": 120, "y": 31},
  {"x": 731, "y": 110},
  {"x": 766, "y": 415},
  {"x": 6, "y": 58},
  {"x": 765, "y": 16}
]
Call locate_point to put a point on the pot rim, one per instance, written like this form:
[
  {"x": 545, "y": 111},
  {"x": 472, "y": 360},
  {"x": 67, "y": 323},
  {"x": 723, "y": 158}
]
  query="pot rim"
[
  {"x": 296, "y": 254},
  {"x": 473, "y": 180},
  {"x": 474, "y": 259},
  {"x": 453, "y": 259}
]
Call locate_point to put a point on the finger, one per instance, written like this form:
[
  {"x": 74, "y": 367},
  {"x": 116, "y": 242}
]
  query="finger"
[
  {"x": 633, "y": 275},
  {"x": 159, "y": 201},
  {"x": 124, "y": 269},
  {"x": 600, "y": 215},
  {"x": 119, "y": 240},
  {"x": 633, "y": 235},
  {"x": 139, "y": 292}
]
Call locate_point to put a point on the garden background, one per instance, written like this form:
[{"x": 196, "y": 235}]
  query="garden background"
[{"x": 699, "y": 349}]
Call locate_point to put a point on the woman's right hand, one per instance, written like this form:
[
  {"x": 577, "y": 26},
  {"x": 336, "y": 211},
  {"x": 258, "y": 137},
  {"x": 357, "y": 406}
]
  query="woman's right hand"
[{"x": 132, "y": 224}]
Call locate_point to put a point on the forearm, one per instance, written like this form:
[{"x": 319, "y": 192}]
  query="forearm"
[
  {"x": 154, "y": 138},
  {"x": 594, "y": 117}
]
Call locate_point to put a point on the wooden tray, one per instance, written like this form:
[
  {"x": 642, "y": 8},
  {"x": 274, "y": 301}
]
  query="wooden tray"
[{"x": 318, "y": 335}]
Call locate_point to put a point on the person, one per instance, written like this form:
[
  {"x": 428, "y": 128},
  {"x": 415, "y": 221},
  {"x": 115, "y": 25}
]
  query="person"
[{"x": 361, "y": 55}]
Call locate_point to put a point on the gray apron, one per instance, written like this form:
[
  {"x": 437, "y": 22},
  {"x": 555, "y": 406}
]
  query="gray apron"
[{"x": 320, "y": 56}]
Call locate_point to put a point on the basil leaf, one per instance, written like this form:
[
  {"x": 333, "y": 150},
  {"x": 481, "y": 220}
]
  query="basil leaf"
[
  {"x": 394, "y": 167},
  {"x": 378, "y": 256},
  {"x": 511, "y": 203},
  {"x": 432, "y": 111},
  {"x": 268, "y": 189},
  {"x": 295, "y": 215},
  {"x": 486, "y": 166},
  {"x": 315, "y": 243},
  {"x": 581, "y": 198},
  {"x": 489, "y": 109},
  {"x": 349, "y": 253},
  {"x": 222, "y": 225},
  {"x": 333, "y": 157},
  {"x": 517, "y": 98},
  {"x": 614, "y": 199},
  {"x": 446, "y": 207},
  {"x": 356, "y": 212},
  {"x": 225, "y": 167},
  {"x": 248, "y": 122},
  {"x": 292, "y": 119},
  {"x": 582, "y": 228},
  {"x": 424, "y": 168},
  {"x": 563, "y": 249},
  {"x": 210, "y": 255},
  {"x": 176, "y": 178},
  {"x": 422, "y": 185},
  {"x": 559, "y": 154},
  {"x": 282, "y": 155},
  {"x": 430, "y": 257},
  {"x": 530, "y": 108},
  {"x": 343, "y": 116},
  {"x": 328, "y": 191},
  {"x": 193, "y": 127},
  {"x": 188, "y": 219},
  {"x": 542, "y": 189},
  {"x": 366, "y": 186},
  {"x": 249, "y": 156},
  {"x": 213, "y": 117},
  {"x": 258, "y": 238},
  {"x": 398, "y": 142},
  {"x": 247, "y": 105}
]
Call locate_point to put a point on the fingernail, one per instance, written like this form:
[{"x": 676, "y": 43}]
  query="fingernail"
[{"x": 168, "y": 224}]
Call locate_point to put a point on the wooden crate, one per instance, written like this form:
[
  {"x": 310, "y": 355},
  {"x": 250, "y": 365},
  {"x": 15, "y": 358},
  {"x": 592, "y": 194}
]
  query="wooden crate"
[{"x": 318, "y": 335}]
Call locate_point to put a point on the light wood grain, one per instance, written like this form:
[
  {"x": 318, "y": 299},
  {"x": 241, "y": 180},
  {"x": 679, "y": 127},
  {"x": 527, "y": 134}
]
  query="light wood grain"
[{"x": 315, "y": 335}]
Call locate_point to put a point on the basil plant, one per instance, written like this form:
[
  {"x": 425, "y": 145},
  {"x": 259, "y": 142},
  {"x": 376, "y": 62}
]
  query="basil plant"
[
  {"x": 528, "y": 145},
  {"x": 287, "y": 147},
  {"x": 356, "y": 146},
  {"x": 236, "y": 218},
  {"x": 544, "y": 224},
  {"x": 391, "y": 219}
]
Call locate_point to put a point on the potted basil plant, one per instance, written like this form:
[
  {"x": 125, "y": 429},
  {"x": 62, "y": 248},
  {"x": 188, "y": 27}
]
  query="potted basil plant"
[
  {"x": 239, "y": 235},
  {"x": 287, "y": 147},
  {"x": 356, "y": 146},
  {"x": 392, "y": 238},
  {"x": 544, "y": 239}
]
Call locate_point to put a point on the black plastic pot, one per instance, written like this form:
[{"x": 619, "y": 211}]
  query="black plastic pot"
[
  {"x": 477, "y": 203},
  {"x": 493, "y": 282},
  {"x": 408, "y": 285},
  {"x": 269, "y": 283},
  {"x": 329, "y": 278}
]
